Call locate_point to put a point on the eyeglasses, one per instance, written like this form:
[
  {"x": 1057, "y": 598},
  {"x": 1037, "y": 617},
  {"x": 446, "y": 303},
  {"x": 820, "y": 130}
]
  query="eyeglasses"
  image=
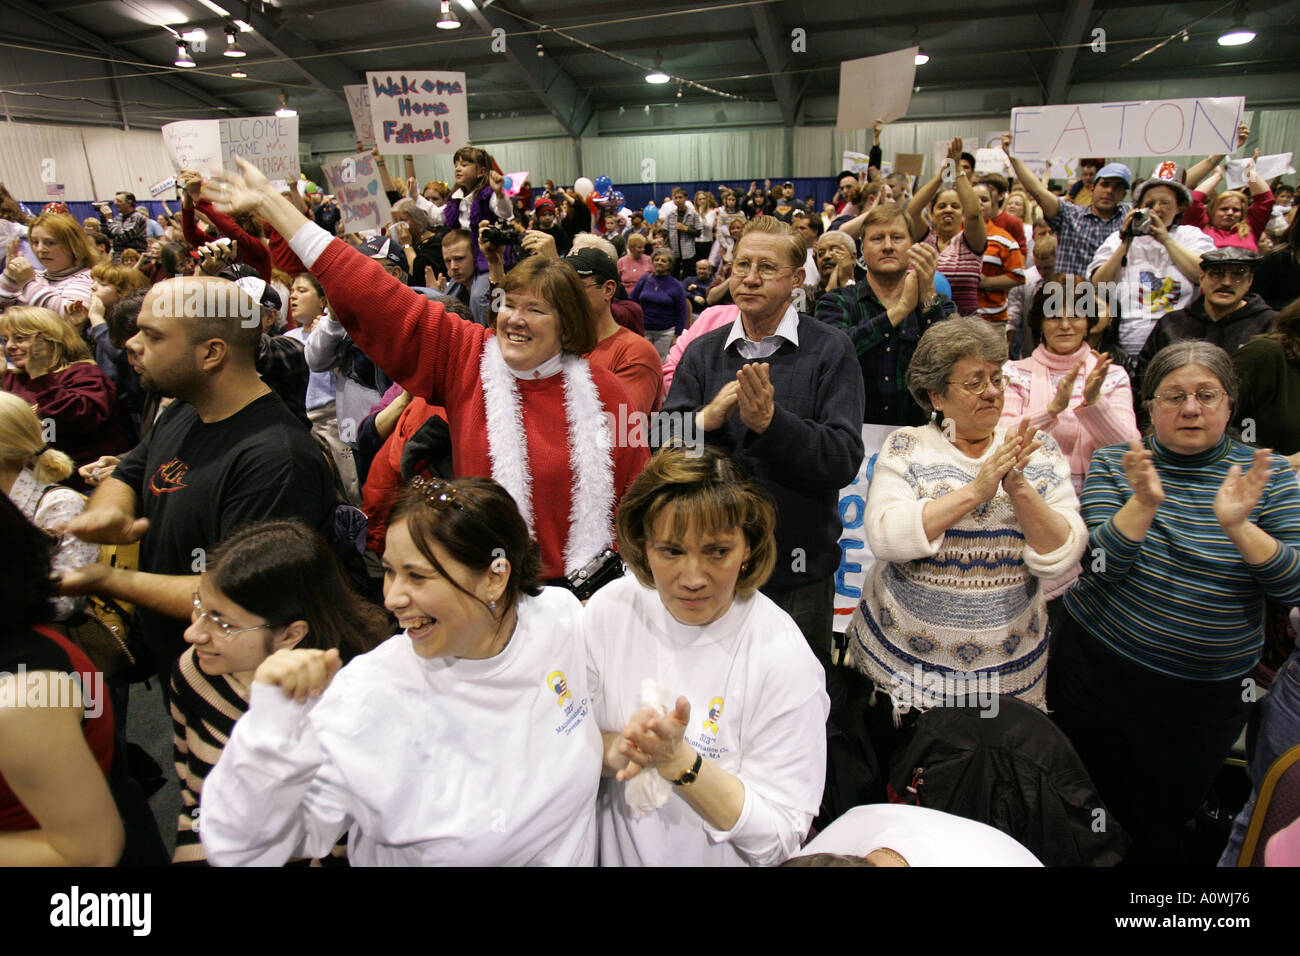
[
  {"x": 437, "y": 493},
  {"x": 1236, "y": 272},
  {"x": 979, "y": 387},
  {"x": 767, "y": 271},
  {"x": 1205, "y": 397},
  {"x": 203, "y": 618}
]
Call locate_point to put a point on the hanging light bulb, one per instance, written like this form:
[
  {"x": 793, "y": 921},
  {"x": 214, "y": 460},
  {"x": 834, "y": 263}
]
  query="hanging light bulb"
[
  {"x": 922, "y": 58},
  {"x": 657, "y": 75},
  {"x": 183, "y": 57},
  {"x": 238, "y": 74},
  {"x": 233, "y": 49},
  {"x": 447, "y": 19},
  {"x": 284, "y": 110},
  {"x": 1238, "y": 33}
]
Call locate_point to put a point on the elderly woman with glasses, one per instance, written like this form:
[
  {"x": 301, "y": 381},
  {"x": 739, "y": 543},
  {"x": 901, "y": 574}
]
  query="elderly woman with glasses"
[
  {"x": 1191, "y": 530},
  {"x": 964, "y": 516}
]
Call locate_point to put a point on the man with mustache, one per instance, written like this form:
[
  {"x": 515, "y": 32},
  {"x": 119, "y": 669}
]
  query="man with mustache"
[{"x": 1225, "y": 313}]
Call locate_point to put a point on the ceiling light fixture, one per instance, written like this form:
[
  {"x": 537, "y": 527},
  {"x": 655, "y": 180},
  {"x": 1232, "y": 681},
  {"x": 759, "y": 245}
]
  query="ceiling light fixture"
[
  {"x": 1239, "y": 33},
  {"x": 657, "y": 75},
  {"x": 447, "y": 20},
  {"x": 238, "y": 74},
  {"x": 183, "y": 57},
  {"x": 284, "y": 110},
  {"x": 922, "y": 58},
  {"x": 233, "y": 48}
]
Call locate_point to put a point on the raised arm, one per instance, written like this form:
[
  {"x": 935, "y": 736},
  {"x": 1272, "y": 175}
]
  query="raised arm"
[
  {"x": 1047, "y": 200},
  {"x": 1199, "y": 170}
]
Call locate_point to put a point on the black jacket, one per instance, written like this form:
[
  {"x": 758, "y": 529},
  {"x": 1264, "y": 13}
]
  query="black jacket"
[{"x": 1230, "y": 333}]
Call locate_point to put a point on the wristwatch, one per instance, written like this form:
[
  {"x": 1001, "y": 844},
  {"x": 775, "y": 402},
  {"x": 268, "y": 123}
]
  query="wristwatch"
[{"x": 688, "y": 776}]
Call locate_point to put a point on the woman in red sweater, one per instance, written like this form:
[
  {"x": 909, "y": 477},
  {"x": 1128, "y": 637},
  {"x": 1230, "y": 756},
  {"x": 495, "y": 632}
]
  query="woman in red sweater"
[
  {"x": 524, "y": 407},
  {"x": 54, "y": 372}
]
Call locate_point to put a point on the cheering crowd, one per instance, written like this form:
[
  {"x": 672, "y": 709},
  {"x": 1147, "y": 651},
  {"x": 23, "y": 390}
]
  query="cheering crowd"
[{"x": 511, "y": 533}]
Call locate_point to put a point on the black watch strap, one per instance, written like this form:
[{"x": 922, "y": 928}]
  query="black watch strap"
[{"x": 688, "y": 777}]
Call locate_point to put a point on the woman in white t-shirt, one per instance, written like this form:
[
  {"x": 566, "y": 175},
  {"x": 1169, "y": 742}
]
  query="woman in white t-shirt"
[
  {"x": 1155, "y": 263},
  {"x": 465, "y": 740},
  {"x": 712, "y": 706}
]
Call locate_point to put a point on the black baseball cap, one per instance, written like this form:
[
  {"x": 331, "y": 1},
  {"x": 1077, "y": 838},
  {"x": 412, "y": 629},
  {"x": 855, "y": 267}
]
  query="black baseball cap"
[{"x": 591, "y": 261}]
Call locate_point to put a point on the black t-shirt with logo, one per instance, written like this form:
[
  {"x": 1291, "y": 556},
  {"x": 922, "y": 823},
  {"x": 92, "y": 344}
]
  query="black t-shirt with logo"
[{"x": 197, "y": 482}]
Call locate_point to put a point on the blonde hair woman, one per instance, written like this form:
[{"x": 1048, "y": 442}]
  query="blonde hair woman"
[
  {"x": 30, "y": 472},
  {"x": 53, "y": 370}
]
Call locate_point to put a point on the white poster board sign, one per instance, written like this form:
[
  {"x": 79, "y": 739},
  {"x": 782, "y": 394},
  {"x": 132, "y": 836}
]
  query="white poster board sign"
[
  {"x": 193, "y": 144},
  {"x": 354, "y": 181},
  {"x": 856, "y": 163},
  {"x": 268, "y": 142},
  {"x": 419, "y": 111},
  {"x": 1277, "y": 164},
  {"x": 875, "y": 88},
  {"x": 1200, "y": 126},
  {"x": 855, "y": 554},
  {"x": 363, "y": 123},
  {"x": 992, "y": 161}
]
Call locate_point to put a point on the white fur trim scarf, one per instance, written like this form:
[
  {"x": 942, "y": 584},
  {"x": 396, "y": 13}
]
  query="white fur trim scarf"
[{"x": 591, "y": 457}]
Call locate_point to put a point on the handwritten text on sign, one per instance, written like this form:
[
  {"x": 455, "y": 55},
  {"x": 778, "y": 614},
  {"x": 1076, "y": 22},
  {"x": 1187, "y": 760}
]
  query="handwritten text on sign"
[
  {"x": 354, "y": 181},
  {"x": 363, "y": 123},
  {"x": 268, "y": 142},
  {"x": 1131, "y": 128},
  {"x": 418, "y": 111}
]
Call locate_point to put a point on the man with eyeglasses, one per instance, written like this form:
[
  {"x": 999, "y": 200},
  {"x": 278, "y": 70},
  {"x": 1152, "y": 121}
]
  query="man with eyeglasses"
[
  {"x": 1225, "y": 313},
  {"x": 782, "y": 393}
]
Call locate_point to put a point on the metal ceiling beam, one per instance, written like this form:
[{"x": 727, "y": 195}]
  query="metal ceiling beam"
[
  {"x": 1073, "y": 23},
  {"x": 32, "y": 12},
  {"x": 569, "y": 103}
]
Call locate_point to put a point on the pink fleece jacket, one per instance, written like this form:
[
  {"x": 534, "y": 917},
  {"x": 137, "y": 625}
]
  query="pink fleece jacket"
[
  {"x": 1080, "y": 429},
  {"x": 714, "y": 317}
]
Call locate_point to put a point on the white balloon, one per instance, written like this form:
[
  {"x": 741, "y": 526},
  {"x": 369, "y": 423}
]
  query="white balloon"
[{"x": 584, "y": 187}]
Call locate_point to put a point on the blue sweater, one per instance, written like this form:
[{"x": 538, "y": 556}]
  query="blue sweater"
[
  {"x": 1183, "y": 602},
  {"x": 812, "y": 448},
  {"x": 663, "y": 300}
]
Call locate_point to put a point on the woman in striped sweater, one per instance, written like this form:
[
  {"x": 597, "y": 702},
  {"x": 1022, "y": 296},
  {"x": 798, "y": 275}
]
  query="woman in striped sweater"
[
  {"x": 1190, "y": 532},
  {"x": 270, "y": 586}
]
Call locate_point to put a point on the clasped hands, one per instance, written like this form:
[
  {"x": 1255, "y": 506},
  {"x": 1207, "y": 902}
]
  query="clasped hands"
[
  {"x": 654, "y": 739},
  {"x": 751, "y": 394}
]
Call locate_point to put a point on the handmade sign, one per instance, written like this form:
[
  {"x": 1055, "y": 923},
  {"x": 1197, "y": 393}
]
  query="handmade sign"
[
  {"x": 268, "y": 142},
  {"x": 875, "y": 88},
  {"x": 363, "y": 123},
  {"x": 419, "y": 111},
  {"x": 1204, "y": 125},
  {"x": 355, "y": 183}
]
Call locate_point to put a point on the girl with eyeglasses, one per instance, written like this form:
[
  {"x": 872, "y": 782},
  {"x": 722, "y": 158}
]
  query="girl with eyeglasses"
[
  {"x": 1190, "y": 531},
  {"x": 965, "y": 516},
  {"x": 268, "y": 587},
  {"x": 468, "y": 739}
]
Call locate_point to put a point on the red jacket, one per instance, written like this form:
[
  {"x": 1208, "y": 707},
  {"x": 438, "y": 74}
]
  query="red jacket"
[
  {"x": 436, "y": 356},
  {"x": 384, "y": 479},
  {"x": 252, "y": 251}
]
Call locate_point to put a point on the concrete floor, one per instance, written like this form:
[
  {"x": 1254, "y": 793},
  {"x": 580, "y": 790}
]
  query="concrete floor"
[{"x": 150, "y": 726}]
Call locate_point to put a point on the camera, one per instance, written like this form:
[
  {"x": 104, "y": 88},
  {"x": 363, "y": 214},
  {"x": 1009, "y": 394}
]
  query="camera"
[
  {"x": 1140, "y": 224},
  {"x": 499, "y": 236}
]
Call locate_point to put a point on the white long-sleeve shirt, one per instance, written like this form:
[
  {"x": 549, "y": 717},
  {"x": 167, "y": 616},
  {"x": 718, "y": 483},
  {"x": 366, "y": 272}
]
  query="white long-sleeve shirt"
[
  {"x": 423, "y": 761},
  {"x": 758, "y": 710},
  {"x": 500, "y": 206}
]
